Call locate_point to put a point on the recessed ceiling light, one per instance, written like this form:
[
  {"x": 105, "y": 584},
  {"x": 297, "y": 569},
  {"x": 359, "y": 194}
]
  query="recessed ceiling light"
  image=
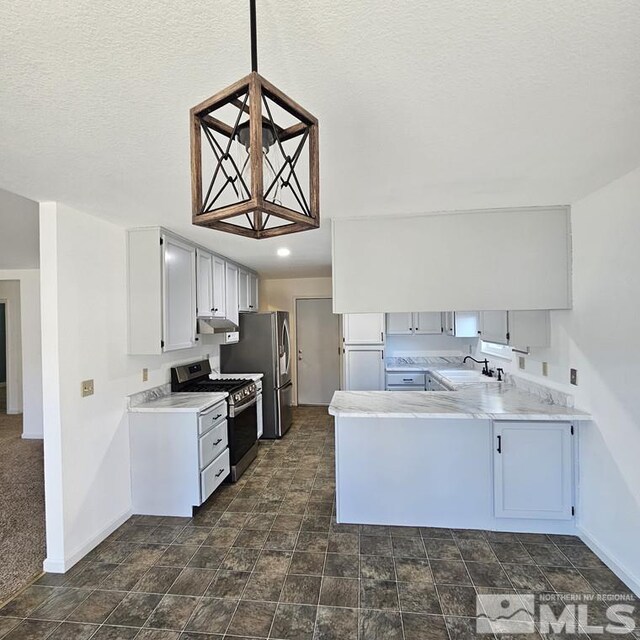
[{"x": 283, "y": 252}]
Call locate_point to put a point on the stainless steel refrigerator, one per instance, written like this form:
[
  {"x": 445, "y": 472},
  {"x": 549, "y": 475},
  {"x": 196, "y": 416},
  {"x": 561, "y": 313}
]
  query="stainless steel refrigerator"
[{"x": 265, "y": 347}]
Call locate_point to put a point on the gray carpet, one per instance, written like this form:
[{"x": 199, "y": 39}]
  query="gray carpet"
[{"x": 22, "y": 537}]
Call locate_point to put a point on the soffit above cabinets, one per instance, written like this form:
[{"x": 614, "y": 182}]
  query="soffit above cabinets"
[{"x": 518, "y": 259}]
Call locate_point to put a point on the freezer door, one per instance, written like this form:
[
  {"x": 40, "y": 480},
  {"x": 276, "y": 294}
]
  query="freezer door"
[
  {"x": 283, "y": 342},
  {"x": 284, "y": 399}
]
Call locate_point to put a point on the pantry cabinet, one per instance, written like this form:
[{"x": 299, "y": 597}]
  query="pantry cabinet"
[{"x": 533, "y": 470}]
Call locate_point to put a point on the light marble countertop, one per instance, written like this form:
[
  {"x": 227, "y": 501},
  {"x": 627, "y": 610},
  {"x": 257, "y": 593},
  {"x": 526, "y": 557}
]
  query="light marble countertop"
[
  {"x": 497, "y": 402},
  {"x": 183, "y": 402}
]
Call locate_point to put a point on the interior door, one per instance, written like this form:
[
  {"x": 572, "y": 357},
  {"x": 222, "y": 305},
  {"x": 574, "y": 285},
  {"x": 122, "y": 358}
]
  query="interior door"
[{"x": 318, "y": 357}]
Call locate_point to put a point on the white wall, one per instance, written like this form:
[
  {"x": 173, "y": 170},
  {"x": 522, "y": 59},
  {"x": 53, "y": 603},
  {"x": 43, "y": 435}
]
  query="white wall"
[
  {"x": 84, "y": 336},
  {"x": 281, "y": 294},
  {"x": 18, "y": 232},
  {"x": 600, "y": 338}
]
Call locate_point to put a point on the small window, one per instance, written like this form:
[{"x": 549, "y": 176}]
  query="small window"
[{"x": 497, "y": 350}]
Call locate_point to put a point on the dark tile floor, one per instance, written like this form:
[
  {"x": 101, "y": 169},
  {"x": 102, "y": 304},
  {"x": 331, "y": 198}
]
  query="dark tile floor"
[{"x": 264, "y": 558}]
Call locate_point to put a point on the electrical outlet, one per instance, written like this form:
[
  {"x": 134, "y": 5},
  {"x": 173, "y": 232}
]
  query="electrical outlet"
[
  {"x": 87, "y": 388},
  {"x": 145, "y": 375},
  {"x": 521, "y": 362},
  {"x": 545, "y": 369},
  {"x": 574, "y": 377}
]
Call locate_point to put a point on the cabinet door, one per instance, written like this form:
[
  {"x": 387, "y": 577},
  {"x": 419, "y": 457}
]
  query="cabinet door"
[
  {"x": 399, "y": 324},
  {"x": 427, "y": 323},
  {"x": 364, "y": 369},
  {"x": 448, "y": 323},
  {"x": 219, "y": 288},
  {"x": 529, "y": 328},
  {"x": 179, "y": 294},
  {"x": 494, "y": 326},
  {"x": 533, "y": 470},
  {"x": 231, "y": 276},
  {"x": 363, "y": 328},
  {"x": 204, "y": 281},
  {"x": 243, "y": 290},
  {"x": 253, "y": 292},
  {"x": 466, "y": 324}
]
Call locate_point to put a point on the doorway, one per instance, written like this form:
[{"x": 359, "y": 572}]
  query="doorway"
[
  {"x": 3, "y": 356},
  {"x": 318, "y": 351}
]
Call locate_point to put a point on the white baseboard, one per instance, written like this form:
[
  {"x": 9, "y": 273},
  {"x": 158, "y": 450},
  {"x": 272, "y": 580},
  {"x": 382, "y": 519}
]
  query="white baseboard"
[
  {"x": 14, "y": 412},
  {"x": 52, "y": 565},
  {"x": 633, "y": 582},
  {"x": 32, "y": 436}
]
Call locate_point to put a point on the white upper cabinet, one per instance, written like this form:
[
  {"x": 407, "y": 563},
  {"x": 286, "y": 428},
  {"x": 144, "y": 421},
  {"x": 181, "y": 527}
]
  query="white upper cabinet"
[
  {"x": 399, "y": 324},
  {"x": 179, "y": 292},
  {"x": 533, "y": 470},
  {"x": 253, "y": 292},
  {"x": 232, "y": 287},
  {"x": 161, "y": 292},
  {"x": 494, "y": 326},
  {"x": 363, "y": 328},
  {"x": 171, "y": 283},
  {"x": 429, "y": 322},
  {"x": 204, "y": 281},
  {"x": 212, "y": 285},
  {"x": 247, "y": 291},
  {"x": 462, "y": 324},
  {"x": 363, "y": 369},
  {"x": 406, "y": 324},
  {"x": 516, "y": 328},
  {"x": 219, "y": 287}
]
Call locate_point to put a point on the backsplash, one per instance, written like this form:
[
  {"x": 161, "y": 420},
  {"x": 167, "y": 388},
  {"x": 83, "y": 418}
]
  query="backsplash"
[
  {"x": 148, "y": 395},
  {"x": 546, "y": 394}
]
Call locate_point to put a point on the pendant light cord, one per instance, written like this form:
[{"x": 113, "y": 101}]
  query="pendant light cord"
[{"x": 254, "y": 36}]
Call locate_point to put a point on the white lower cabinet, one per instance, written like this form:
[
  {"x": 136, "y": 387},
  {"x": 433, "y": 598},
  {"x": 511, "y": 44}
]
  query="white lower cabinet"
[
  {"x": 533, "y": 470},
  {"x": 178, "y": 459},
  {"x": 364, "y": 369}
]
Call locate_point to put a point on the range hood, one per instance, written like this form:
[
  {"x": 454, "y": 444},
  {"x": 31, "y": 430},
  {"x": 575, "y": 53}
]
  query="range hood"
[{"x": 216, "y": 325}]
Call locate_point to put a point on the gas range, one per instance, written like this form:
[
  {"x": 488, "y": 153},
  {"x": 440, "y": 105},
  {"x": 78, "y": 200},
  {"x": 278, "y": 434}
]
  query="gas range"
[{"x": 242, "y": 421}]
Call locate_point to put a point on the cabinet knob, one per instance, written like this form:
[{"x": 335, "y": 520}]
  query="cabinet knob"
[{"x": 214, "y": 309}]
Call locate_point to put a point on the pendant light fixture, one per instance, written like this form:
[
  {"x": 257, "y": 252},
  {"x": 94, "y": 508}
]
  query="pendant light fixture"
[{"x": 254, "y": 159}]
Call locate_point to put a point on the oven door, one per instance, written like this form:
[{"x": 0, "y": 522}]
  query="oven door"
[{"x": 243, "y": 429}]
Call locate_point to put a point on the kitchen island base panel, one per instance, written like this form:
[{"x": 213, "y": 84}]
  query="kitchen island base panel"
[{"x": 422, "y": 472}]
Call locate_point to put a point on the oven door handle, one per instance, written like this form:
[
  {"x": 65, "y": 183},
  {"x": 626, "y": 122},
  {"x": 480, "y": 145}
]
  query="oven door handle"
[{"x": 235, "y": 410}]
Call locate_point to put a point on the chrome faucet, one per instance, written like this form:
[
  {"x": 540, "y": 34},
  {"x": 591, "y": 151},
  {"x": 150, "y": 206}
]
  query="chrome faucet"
[{"x": 485, "y": 362}]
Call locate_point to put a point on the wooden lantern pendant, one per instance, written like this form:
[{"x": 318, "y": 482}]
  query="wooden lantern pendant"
[{"x": 257, "y": 173}]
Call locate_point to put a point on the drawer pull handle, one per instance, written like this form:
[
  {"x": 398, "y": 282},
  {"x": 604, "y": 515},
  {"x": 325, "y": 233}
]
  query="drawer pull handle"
[
  {"x": 219, "y": 473},
  {"x": 216, "y": 417},
  {"x": 217, "y": 442},
  {"x": 407, "y": 379}
]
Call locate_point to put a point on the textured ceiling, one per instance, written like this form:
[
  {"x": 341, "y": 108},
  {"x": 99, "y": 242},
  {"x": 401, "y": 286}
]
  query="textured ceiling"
[{"x": 423, "y": 106}]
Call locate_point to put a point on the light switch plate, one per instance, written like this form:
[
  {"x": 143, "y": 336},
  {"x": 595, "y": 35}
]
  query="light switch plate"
[
  {"x": 145, "y": 375},
  {"x": 521, "y": 362},
  {"x": 545, "y": 369},
  {"x": 87, "y": 388},
  {"x": 574, "y": 377}
]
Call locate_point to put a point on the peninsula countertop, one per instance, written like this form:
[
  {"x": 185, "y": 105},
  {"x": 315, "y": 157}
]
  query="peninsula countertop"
[
  {"x": 497, "y": 402},
  {"x": 193, "y": 402}
]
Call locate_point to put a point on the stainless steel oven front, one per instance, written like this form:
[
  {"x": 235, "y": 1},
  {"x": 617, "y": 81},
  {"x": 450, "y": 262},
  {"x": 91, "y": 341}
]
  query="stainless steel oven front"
[{"x": 243, "y": 434}]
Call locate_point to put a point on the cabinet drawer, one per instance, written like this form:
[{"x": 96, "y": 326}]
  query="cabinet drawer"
[
  {"x": 415, "y": 379},
  {"x": 214, "y": 474},
  {"x": 405, "y": 387},
  {"x": 213, "y": 443},
  {"x": 212, "y": 417}
]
